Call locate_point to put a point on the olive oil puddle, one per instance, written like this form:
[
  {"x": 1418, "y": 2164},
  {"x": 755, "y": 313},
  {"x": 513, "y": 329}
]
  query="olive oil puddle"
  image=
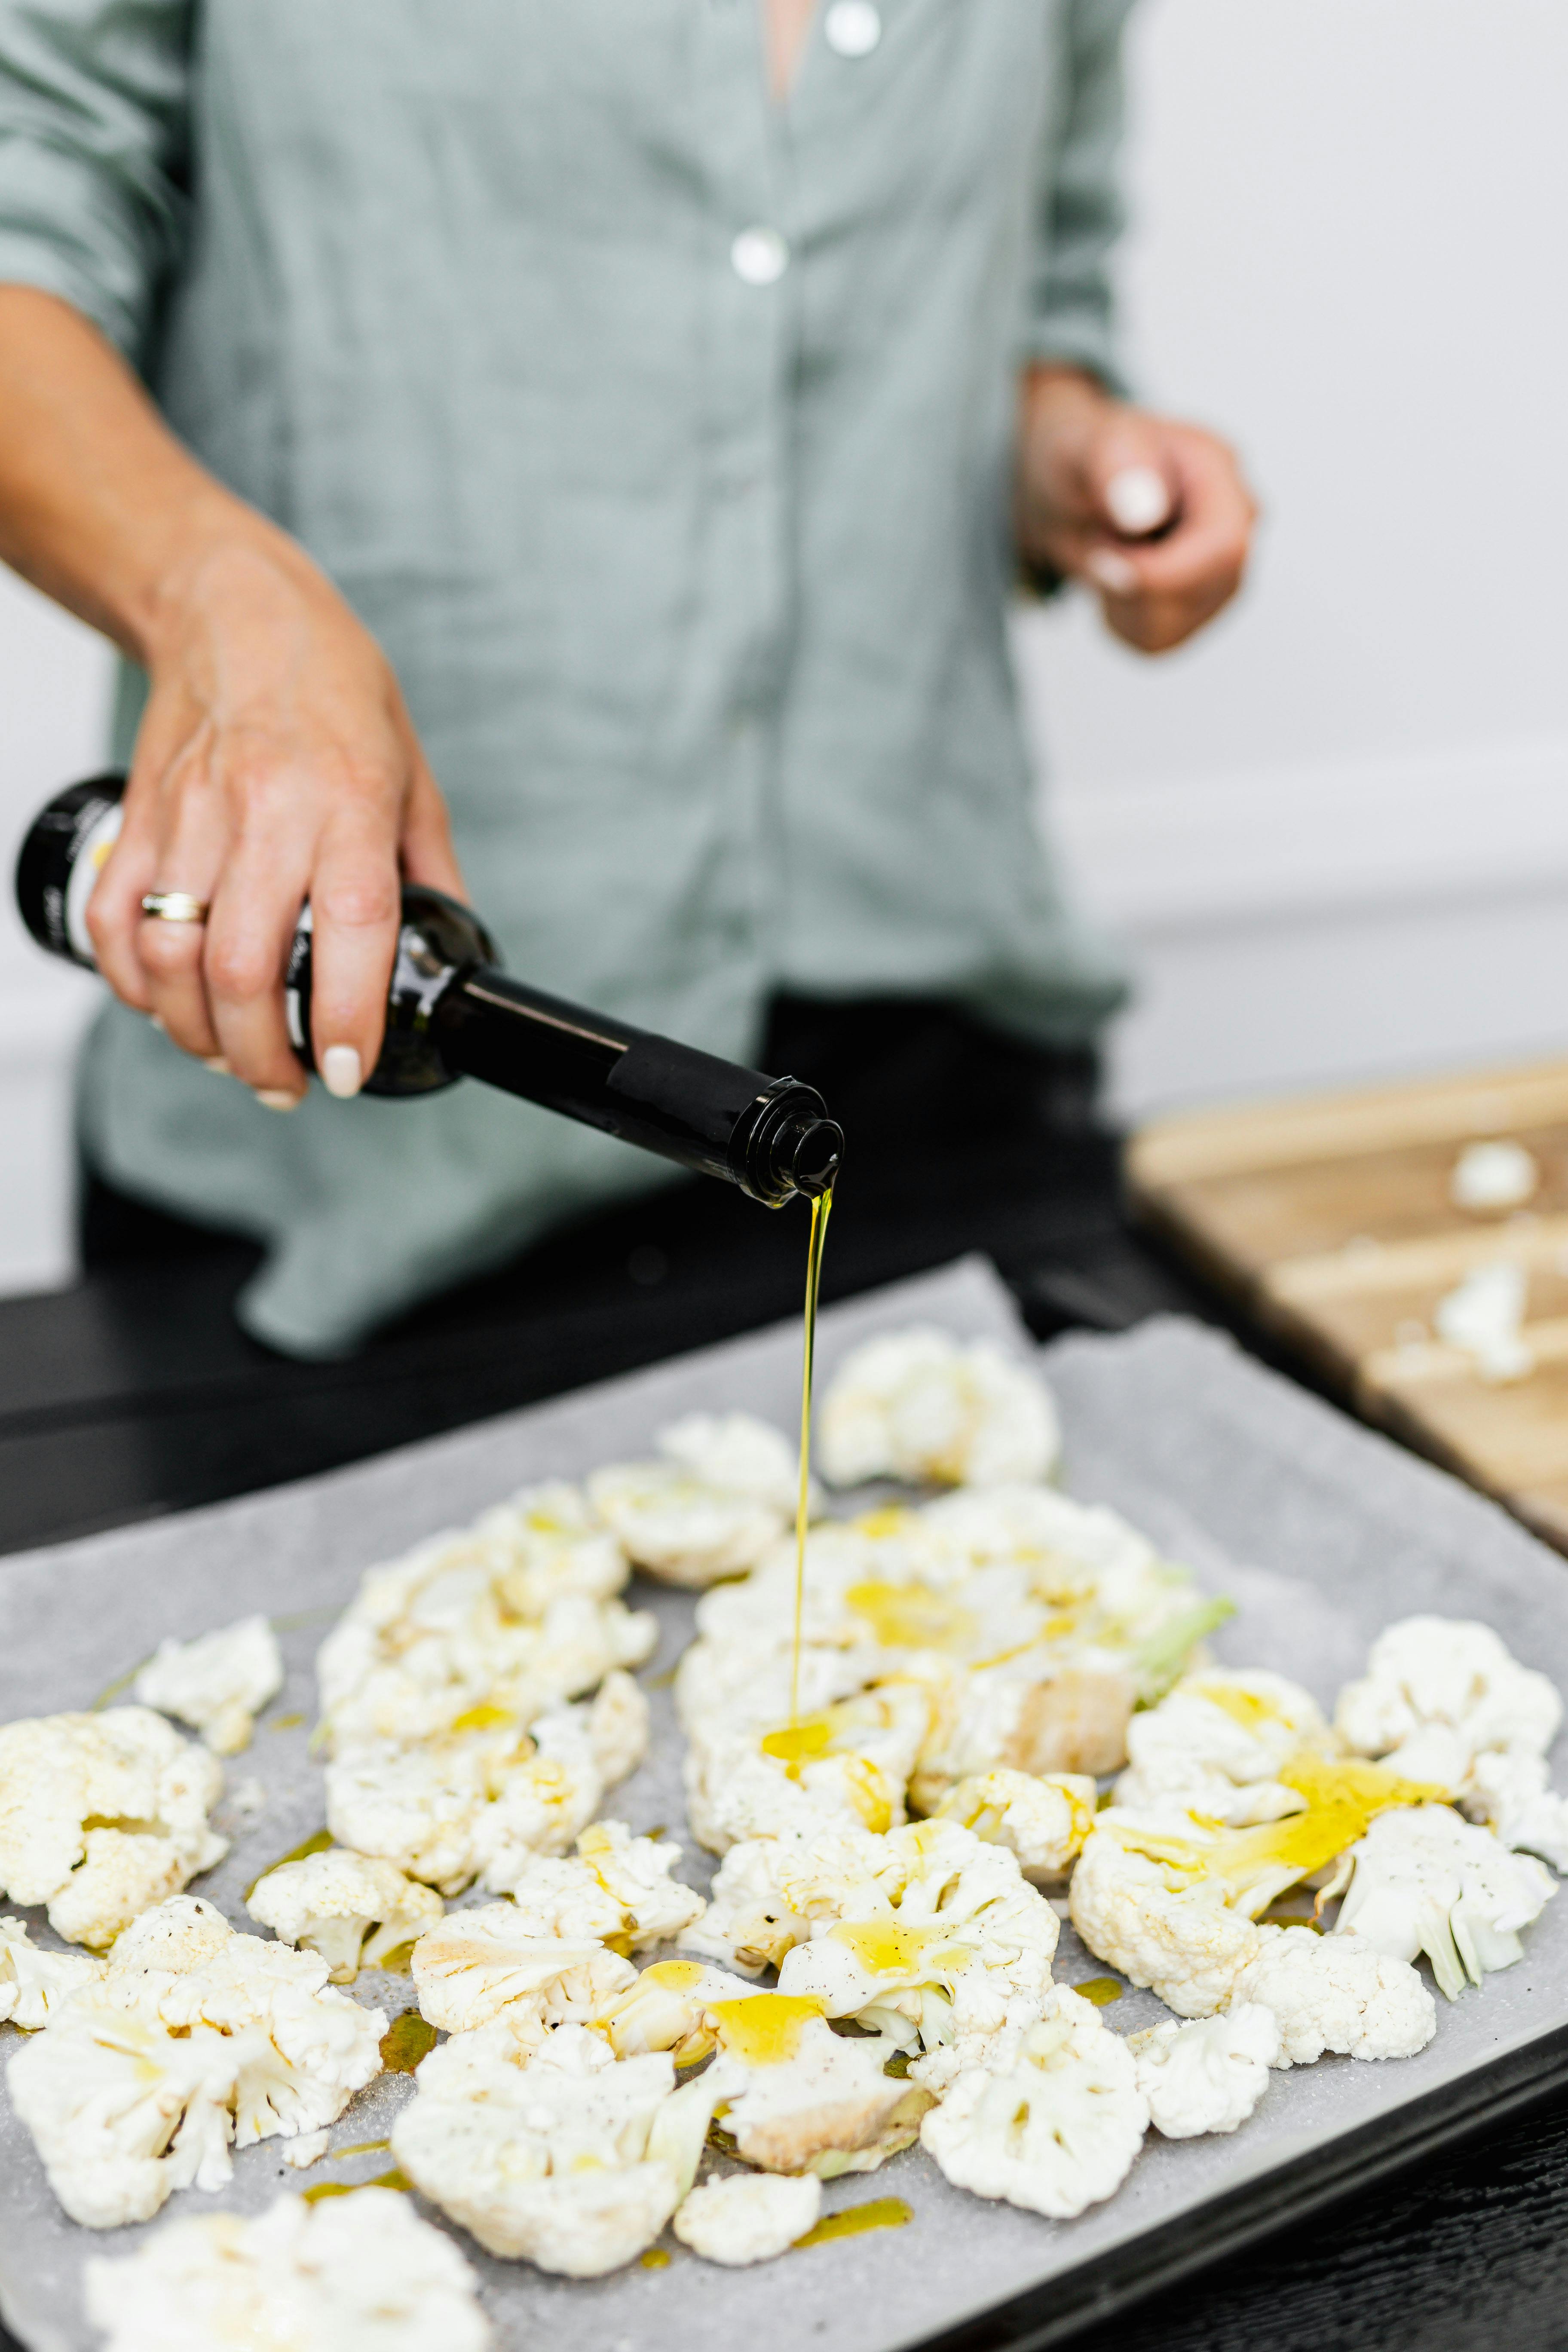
[{"x": 877, "y": 2213}]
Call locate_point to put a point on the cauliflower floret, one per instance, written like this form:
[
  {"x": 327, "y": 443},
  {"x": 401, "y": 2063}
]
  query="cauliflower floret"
[
  {"x": 545, "y": 1542},
  {"x": 1508, "y": 1790},
  {"x": 1058, "y": 2129},
  {"x": 485, "y": 1799},
  {"x": 146, "y": 2074},
  {"x": 748, "y": 2218},
  {"x": 616, "y": 1888},
  {"x": 34, "y": 1981},
  {"x": 1215, "y": 1743},
  {"x": 565, "y": 2155},
  {"x": 354, "y": 2272},
  {"x": 748, "y": 1924},
  {"x": 724, "y": 1492},
  {"x": 1114, "y": 1605},
  {"x": 1162, "y": 1925},
  {"x": 1043, "y": 1821},
  {"x": 769, "y": 1891},
  {"x": 954, "y": 1962},
  {"x": 102, "y": 1816},
  {"x": 917, "y": 1405},
  {"x": 667, "y": 2010},
  {"x": 121, "y": 2112},
  {"x": 1170, "y": 1899},
  {"x": 1207, "y": 2075},
  {"x": 480, "y": 1962},
  {"x": 617, "y": 1725},
  {"x": 846, "y": 1766},
  {"x": 190, "y": 2037},
  {"x": 182, "y": 1934},
  {"x": 1022, "y": 1714},
  {"x": 1422, "y": 1880},
  {"x": 1450, "y": 1672},
  {"x": 496, "y": 1625},
  {"x": 331, "y": 1901},
  {"x": 1332, "y": 1992},
  {"x": 1443, "y": 1700},
  {"x": 743, "y": 1683},
  {"x": 217, "y": 1682},
  {"x": 797, "y": 2097},
  {"x": 581, "y": 1752}
]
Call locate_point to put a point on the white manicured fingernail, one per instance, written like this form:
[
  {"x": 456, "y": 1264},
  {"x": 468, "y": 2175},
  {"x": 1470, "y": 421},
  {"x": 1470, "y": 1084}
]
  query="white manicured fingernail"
[
  {"x": 1111, "y": 572},
  {"x": 274, "y": 1098},
  {"x": 157, "y": 1020},
  {"x": 216, "y": 1062},
  {"x": 340, "y": 1071},
  {"x": 1137, "y": 500}
]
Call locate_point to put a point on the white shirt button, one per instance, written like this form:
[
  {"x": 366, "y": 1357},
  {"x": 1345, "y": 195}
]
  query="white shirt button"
[
  {"x": 759, "y": 255},
  {"x": 852, "y": 27}
]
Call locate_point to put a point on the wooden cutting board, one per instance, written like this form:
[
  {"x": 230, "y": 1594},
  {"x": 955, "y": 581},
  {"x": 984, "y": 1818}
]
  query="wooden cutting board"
[{"x": 1332, "y": 1217}]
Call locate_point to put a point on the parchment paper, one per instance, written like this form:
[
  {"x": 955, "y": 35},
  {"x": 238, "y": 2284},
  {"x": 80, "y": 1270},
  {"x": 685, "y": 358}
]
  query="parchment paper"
[{"x": 1319, "y": 1530}]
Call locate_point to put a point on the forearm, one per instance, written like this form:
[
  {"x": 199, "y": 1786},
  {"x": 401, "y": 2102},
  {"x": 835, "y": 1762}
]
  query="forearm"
[{"x": 100, "y": 506}]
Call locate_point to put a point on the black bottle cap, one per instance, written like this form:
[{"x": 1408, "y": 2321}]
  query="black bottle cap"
[
  {"x": 786, "y": 1144},
  {"x": 814, "y": 1162}
]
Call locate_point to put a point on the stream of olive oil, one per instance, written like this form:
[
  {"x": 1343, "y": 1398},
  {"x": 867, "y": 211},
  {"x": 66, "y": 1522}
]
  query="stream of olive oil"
[{"x": 820, "y": 1208}]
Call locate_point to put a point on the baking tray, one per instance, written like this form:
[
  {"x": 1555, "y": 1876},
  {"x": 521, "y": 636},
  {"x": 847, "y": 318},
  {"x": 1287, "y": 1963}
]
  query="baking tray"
[{"x": 1319, "y": 1530}]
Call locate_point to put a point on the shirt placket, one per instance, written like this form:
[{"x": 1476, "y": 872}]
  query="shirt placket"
[{"x": 750, "y": 271}]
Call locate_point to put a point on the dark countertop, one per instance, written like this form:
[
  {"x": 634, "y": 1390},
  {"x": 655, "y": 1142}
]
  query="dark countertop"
[{"x": 134, "y": 1393}]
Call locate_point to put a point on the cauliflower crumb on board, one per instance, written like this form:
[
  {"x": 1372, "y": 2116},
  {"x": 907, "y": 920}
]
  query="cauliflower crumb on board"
[
  {"x": 217, "y": 1684},
  {"x": 356, "y": 2272}
]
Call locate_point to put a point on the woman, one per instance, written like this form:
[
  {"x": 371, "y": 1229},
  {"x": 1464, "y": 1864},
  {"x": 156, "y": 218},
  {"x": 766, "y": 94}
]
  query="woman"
[{"x": 629, "y": 412}]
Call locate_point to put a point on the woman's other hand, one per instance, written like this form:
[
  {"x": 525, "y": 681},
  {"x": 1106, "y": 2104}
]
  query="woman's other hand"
[{"x": 1154, "y": 516}]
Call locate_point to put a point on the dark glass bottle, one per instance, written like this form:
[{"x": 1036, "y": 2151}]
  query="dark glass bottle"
[{"x": 453, "y": 1012}]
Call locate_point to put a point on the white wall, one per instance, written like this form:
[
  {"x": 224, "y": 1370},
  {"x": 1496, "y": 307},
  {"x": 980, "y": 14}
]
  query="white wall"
[{"x": 1336, "y": 832}]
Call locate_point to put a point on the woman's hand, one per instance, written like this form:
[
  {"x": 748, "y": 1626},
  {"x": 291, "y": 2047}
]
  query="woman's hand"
[
  {"x": 1154, "y": 516},
  {"x": 276, "y": 763}
]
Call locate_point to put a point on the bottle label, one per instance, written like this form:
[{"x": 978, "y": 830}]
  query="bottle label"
[{"x": 89, "y": 855}]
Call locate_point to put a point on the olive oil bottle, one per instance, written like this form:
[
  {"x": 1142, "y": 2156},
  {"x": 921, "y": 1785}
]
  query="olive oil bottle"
[{"x": 453, "y": 1012}]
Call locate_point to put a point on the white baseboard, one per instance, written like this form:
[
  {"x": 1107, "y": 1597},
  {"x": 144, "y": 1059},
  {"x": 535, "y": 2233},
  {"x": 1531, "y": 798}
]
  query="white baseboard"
[{"x": 1482, "y": 821}]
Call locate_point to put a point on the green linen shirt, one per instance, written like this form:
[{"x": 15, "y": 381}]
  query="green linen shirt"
[{"x": 662, "y": 434}]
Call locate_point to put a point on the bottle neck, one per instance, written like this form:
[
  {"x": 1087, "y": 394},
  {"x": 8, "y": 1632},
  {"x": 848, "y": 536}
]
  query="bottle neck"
[{"x": 769, "y": 1135}]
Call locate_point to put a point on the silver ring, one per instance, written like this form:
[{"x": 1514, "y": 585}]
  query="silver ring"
[{"x": 173, "y": 907}]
